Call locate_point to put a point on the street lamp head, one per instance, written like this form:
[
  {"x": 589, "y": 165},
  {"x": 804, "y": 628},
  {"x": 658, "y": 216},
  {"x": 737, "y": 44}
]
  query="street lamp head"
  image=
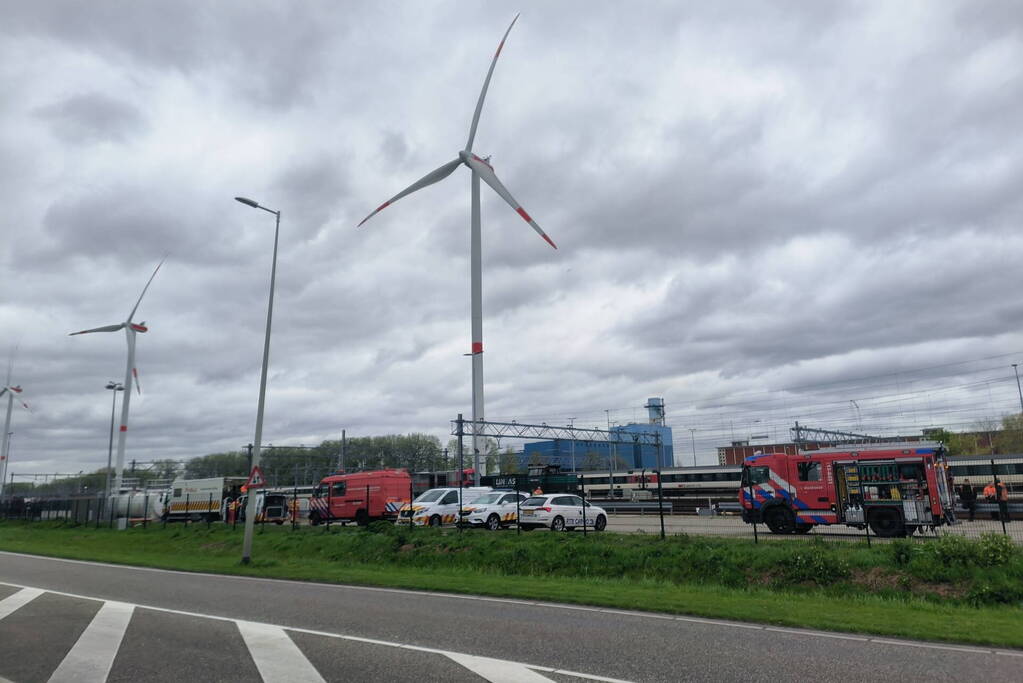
[
  {"x": 115, "y": 386},
  {"x": 250, "y": 202}
]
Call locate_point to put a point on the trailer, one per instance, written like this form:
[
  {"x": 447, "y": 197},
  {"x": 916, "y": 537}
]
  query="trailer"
[
  {"x": 894, "y": 490},
  {"x": 201, "y": 500}
]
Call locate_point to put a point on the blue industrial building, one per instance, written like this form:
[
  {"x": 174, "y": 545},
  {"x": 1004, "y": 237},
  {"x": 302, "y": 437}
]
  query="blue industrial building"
[{"x": 590, "y": 455}]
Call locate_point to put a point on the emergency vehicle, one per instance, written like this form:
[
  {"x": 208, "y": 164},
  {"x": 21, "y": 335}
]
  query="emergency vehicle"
[
  {"x": 361, "y": 497},
  {"x": 270, "y": 507},
  {"x": 439, "y": 506},
  {"x": 893, "y": 489},
  {"x": 560, "y": 512},
  {"x": 201, "y": 499},
  {"x": 493, "y": 510}
]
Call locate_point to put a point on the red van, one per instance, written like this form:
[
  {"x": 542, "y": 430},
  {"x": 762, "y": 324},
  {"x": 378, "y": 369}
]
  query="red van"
[{"x": 361, "y": 497}]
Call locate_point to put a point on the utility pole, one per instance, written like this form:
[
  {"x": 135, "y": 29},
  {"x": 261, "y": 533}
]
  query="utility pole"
[
  {"x": 1014, "y": 369},
  {"x": 692, "y": 433},
  {"x": 571, "y": 424},
  {"x": 341, "y": 460}
]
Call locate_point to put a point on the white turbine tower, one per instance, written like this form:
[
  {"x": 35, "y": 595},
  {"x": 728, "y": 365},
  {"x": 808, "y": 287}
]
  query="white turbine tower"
[
  {"x": 131, "y": 329},
  {"x": 5, "y": 448},
  {"x": 480, "y": 168}
]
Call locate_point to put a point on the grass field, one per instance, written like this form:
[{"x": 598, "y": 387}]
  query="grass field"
[{"x": 952, "y": 589}]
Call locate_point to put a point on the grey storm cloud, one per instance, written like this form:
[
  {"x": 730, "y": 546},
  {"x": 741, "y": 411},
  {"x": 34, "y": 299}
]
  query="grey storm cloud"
[{"x": 758, "y": 206}]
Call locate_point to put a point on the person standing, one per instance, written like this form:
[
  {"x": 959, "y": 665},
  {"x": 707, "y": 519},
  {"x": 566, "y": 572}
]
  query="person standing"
[
  {"x": 1003, "y": 501},
  {"x": 968, "y": 497}
]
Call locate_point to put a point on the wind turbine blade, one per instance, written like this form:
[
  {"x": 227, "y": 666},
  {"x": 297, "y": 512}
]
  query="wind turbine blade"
[
  {"x": 490, "y": 178},
  {"x": 105, "y": 328},
  {"x": 3, "y": 391},
  {"x": 428, "y": 179},
  {"x": 486, "y": 84},
  {"x": 138, "y": 386},
  {"x": 132, "y": 314}
]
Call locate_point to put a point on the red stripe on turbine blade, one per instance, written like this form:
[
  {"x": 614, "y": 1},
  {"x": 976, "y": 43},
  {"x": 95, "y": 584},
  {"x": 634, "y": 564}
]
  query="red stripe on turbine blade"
[
  {"x": 522, "y": 212},
  {"x": 477, "y": 347},
  {"x": 383, "y": 206},
  {"x": 124, "y": 428},
  {"x": 550, "y": 242}
]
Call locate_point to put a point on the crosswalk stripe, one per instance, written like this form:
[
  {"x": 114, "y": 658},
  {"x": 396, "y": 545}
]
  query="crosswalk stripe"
[
  {"x": 19, "y": 599},
  {"x": 498, "y": 671},
  {"x": 276, "y": 655},
  {"x": 92, "y": 656}
]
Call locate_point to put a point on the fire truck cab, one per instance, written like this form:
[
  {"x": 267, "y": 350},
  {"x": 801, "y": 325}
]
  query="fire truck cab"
[{"x": 894, "y": 490}]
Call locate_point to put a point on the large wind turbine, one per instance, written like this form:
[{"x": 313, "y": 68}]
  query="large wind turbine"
[
  {"x": 480, "y": 168},
  {"x": 131, "y": 329}
]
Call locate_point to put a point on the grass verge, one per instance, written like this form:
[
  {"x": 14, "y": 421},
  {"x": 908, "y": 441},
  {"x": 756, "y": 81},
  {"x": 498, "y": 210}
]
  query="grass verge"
[{"x": 962, "y": 591}]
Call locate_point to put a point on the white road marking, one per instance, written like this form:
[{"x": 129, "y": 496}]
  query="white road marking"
[
  {"x": 497, "y": 671},
  {"x": 477, "y": 598},
  {"x": 276, "y": 655},
  {"x": 325, "y": 634},
  {"x": 19, "y": 599},
  {"x": 93, "y": 654}
]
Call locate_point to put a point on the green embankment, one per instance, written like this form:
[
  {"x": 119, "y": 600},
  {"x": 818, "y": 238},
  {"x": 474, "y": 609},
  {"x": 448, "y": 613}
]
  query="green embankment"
[{"x": 950, "y": 589}]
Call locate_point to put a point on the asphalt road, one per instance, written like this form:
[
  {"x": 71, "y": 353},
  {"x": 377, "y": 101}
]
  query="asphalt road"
[{"x": 102, "y": 622}]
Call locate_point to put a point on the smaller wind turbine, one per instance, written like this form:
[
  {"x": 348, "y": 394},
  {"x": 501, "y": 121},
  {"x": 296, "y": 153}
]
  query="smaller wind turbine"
[
  {"x": 130, "y": 328},
  {"x": 6, "y": 447}
]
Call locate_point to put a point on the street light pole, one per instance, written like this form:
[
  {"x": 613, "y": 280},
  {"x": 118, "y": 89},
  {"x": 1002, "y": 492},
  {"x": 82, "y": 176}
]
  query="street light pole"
[
  {"x": 1014, "y": 369},
  {"x": 571, "y": 424},
  {"x": 250, "y": 507},
  {"x": 692, "y": 433},
  {"x": 114, "y": 388}
]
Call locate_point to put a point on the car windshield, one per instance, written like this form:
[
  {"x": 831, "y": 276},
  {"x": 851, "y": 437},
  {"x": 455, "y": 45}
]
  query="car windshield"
[
  {"x": 487, "y": 499},
  {"x": 429, "y": 496},
  {"x": 535, "y": 501}
]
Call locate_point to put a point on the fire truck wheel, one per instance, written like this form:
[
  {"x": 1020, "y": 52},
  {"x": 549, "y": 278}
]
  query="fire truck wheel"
[
  {"x": 558, "y": 524},
  {"x": 803, "y": 528},
  {"x": 493, "y": 522},
  {"x": 887, "y": 523},
  {"x": 601, "y": 523},
  {"x": 435, "y": 520},
  {"x": 314, "y": 519},
  {"x": 780, "y": 520}
]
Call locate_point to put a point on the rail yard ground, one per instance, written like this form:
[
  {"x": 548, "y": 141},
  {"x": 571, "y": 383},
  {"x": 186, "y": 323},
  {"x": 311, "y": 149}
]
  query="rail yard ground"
[{"x": 951, "y": 589}]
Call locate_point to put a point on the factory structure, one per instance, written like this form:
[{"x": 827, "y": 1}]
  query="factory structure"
[{"x": 578, "y": 455}]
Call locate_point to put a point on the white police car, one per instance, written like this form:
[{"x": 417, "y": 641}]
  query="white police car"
[
  {"x": 560, "y": 511},
  {"x": 493, "y": 510}
]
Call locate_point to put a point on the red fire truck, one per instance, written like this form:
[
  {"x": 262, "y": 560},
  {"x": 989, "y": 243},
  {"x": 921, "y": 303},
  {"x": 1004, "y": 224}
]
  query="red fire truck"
[
  {"x": 361, "y": 497},
  {"x": 894, "y": 489}
]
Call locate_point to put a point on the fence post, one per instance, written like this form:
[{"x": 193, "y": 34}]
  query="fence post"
[
  {"x": 518, "y": 501},
  {"x": 145, "y": 511},
  {"x": 188, "y": 508},
  {"x": 461, "y": 474},
  {"x": 1003, "y": 507},
  {"x": 294, "y": 508},
  {"x": 330, "y": 508},
  {"x": 752, "y": 507},
  {"x": 583, "y": 496},
  {"x": 410, "y": 497},
  {"x": 367, "y": 505},
  {"x": 209, "y": 507},
  {"x": 660, "y": 493}
]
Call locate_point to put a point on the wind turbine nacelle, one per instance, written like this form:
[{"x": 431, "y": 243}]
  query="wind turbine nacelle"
[{"x": 139, "y": 327}]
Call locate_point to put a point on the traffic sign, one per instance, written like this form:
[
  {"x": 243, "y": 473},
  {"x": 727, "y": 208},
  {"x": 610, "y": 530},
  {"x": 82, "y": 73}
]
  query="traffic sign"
[{"x": 256, "y": 479}]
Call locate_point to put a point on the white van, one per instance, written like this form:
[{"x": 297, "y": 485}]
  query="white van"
[{"x": 439, "y": 506}]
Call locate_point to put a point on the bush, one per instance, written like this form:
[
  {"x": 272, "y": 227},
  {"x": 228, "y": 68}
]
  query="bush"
[
  {"x": 814, "y": 565},
  {"x": 998, "y": 591},
  {"x": 381, "y": 527},
  {"x": 954, "y": 551},
  {"x": 994, "y": 550},
  {"x": 902, "y": 552}
]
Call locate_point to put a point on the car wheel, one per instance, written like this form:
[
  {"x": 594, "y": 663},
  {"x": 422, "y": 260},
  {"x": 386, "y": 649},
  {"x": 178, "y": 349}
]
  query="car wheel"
[
  {"x": 558, "y": 524},
  {"x": 435, "y": 520},
  {"x": 780, "y": 520},
  {"x": 887, "y": 523},
  {"x": 493, "y": 522},
  {"x": 601, "y": 523}
]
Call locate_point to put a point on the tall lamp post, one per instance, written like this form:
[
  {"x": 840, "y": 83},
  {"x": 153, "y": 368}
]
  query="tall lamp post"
[
  {"x": 250, "y": 507},
  {"x": 692, "y": 433},
  {"x": 1014, "y": 369},
  {"x": 114, "y": 387}
]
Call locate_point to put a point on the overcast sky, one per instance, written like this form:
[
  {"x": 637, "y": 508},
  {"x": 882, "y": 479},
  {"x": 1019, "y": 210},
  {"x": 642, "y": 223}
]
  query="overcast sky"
[{"x": 764, "y": 212}]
